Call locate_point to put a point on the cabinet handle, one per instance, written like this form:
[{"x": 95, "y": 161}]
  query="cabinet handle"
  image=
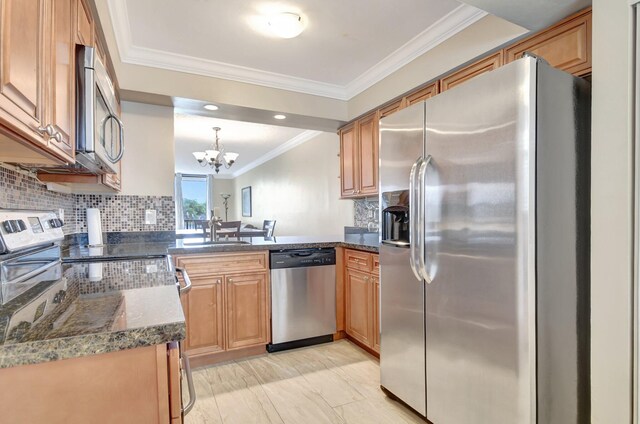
[
  {"x": 48, "y": 129},
  {"x": 366, "y": 278},
  {"x": 230, "y": 280},
  {"x": 218, "y": 281}
]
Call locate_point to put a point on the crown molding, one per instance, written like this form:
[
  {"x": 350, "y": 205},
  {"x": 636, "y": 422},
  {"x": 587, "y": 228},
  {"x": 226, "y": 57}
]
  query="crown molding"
[
  {"x": 296, "y": 141},
  {"x": 446, "y": 27},
  {"x": 449, "y": 25}
]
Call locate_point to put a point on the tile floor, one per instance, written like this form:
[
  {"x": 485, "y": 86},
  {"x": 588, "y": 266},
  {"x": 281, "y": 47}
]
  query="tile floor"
[{"x": 330, "y": 383}]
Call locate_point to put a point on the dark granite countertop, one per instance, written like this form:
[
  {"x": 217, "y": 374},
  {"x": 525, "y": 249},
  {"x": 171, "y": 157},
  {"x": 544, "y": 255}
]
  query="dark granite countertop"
[
  {"x": 367, "y": 242},
  {"x": 93, "y": 308}
]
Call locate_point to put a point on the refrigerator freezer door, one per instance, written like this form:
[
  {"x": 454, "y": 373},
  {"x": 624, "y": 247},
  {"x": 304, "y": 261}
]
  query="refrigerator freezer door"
[
  {"x": 479, "y": 234},
  {"x": 402, "y": 358}
]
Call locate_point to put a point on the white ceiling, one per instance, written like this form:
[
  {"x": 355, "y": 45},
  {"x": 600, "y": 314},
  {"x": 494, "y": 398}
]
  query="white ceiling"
[
  {"x": 256, "y": 143},
  {"x": 346, "y": 47}
]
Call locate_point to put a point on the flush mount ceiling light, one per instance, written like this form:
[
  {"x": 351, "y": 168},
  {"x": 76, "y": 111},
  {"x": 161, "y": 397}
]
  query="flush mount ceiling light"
[
  {"x": 211, "y": 107},
  {"x": 279, "y": 116},
  {"x": 286, "y": 25},
  {"x": 217, "y": 157}
]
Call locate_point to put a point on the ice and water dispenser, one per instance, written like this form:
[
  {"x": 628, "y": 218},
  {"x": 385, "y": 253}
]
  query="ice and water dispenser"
[{"x": 395, "y": 218}]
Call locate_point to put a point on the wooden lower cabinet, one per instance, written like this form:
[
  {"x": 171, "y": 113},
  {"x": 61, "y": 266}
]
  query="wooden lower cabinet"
[
  {"x": 376, "y": 313},
  {"x": 362, "y": 298},
  {"x": 227, "y": 308},
  {"x": 139, "y": 385},
  {"x": 359, "y": 306},
  {"x": 203, "y": 306},
  {"x": 247, "y": 299}
]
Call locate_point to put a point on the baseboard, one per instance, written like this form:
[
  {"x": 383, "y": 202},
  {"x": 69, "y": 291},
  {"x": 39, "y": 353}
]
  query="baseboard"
[
  {"x": 205, "y": 359},
  {"x": 363, "y": 346}
]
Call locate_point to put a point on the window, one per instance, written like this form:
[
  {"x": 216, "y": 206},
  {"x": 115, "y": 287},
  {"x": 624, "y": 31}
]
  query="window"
[{"x": 194, "y": 199}]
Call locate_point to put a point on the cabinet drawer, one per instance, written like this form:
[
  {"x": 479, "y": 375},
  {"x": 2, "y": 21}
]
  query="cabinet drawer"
[
  {"x": 376, "y": 264},
  {"x": 223, "y": 263},
  {"x": 355, "y": 259}
]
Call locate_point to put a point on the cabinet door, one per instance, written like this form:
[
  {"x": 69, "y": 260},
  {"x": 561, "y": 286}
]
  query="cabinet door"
[
  {"x": 204, "y": 311},
  {"x": 359, "y": 312},
  {"x": 566, "y": 46},
  {"x": 375, "y": 287},
  {"x": 348, "y": 161},
  {"x": 22, "y": 72},
  {"x": 247, "y": 310},
  {"x": 487, "y": 64},
  {"x": 62, "y": 91},
  {"x": 392, "y": 107},
  {"x": 422, "y": 94},
  {"x": 84, "y": 24},
  {"x": 113, "y": 180},
  {"x": 368, "y": 161}
]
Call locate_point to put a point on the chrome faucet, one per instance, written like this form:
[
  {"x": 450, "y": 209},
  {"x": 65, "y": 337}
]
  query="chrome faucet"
[{"x": 212, "y": 223}]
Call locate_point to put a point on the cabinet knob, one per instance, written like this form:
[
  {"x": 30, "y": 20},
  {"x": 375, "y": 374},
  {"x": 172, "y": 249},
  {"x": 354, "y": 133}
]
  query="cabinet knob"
[
  {"x": 48, "y": 129},
  {"x": 230, "y": 280},
  {"x": 218, "y": 281}
]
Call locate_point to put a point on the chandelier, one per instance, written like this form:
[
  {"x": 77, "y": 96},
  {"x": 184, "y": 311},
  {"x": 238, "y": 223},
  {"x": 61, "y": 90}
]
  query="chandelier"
[{"x": 217, "y": 157}]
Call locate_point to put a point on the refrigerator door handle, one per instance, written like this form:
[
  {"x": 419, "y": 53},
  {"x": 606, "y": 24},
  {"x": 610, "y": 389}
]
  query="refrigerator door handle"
[
  {"x": 422, "y": 180},
  {"x": 414, "y": 213}
]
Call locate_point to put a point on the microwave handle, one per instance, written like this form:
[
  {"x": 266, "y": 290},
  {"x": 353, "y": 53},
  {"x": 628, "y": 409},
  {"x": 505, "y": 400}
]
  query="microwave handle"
[{"x": 120, "y": 138}]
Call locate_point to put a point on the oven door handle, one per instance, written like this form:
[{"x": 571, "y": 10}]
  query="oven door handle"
[
  {"x": 187, "y": 281},
  {"x": 192, "y": 392}
]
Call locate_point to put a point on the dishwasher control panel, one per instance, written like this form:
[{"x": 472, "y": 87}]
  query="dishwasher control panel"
[{"x": 297, "y": 258}]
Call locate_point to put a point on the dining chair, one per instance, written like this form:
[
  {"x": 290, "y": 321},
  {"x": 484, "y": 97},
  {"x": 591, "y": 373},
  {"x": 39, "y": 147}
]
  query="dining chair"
[
  {"x": 269, "y": 226},
  {"x": 235, "y": 225}
]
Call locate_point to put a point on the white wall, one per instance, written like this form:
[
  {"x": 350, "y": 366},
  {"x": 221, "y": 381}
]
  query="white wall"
[
  {"x": 611, "y": 215},
  {"x": 299, "y": 189},
  {"x": 221, "y": 186},
  {"x": 484, "y": 35},
  {"x": 148, "y": 161}
]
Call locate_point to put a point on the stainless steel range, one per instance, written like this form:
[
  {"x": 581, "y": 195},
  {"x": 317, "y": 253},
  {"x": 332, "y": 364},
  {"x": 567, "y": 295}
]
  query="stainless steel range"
[{"x": 29, "y": 250}]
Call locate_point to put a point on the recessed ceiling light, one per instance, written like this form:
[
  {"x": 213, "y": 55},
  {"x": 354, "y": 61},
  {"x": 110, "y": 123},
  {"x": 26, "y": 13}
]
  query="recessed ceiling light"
[
  {"x": 286, "y": 25},
  {"x": 211, "y": 107},
  {"x": 279, "y": 116}
]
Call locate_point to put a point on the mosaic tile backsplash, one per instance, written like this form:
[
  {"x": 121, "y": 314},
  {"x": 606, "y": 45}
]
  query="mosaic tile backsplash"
[
  {"x": 18, "y": 191},
  {"x": 126, "y": 213},
  {"x": 119, "y": 212},
  {"x": 365, "y": 212}
]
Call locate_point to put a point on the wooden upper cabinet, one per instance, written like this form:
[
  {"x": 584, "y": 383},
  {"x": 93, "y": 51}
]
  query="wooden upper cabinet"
[
  {"x": 359, "y": 301},
  {"x": 483, "y": 65},
  {"x": 62, "y": 91},
  {"x": 23, "y": 28},
  {"x": 204, "y": 307},
  {"x": 368, "y": 160},
  {"x": 566, "y": 45},
  {"x": 392, "y": 107},
  {"x": 247, "y": 299},
  {"x": 84, "y": 24},
  {"x": 422, "y": 94},
  {"x": 348, "y": 161}
]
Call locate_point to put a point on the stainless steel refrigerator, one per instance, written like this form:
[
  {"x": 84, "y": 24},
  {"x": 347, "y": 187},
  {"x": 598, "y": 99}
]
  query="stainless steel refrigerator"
[{"x": 484, "y": 200}]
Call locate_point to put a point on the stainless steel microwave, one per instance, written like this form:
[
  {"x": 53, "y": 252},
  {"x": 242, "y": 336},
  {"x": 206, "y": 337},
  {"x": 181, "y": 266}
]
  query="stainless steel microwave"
[{"x": 99, "y": 130}]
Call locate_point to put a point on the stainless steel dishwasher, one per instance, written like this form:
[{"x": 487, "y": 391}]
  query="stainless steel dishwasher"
[{"x": 303, "y": 297}]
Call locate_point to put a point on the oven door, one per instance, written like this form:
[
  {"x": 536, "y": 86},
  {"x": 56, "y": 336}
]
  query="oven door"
[{"x": 20, "y": 273}]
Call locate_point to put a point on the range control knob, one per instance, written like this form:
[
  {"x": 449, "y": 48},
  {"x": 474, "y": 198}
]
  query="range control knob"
[
  {"x": 21, "y": 225},
  {"x": 9, "y": 227},
  {"x": 56, "y": 223}
]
